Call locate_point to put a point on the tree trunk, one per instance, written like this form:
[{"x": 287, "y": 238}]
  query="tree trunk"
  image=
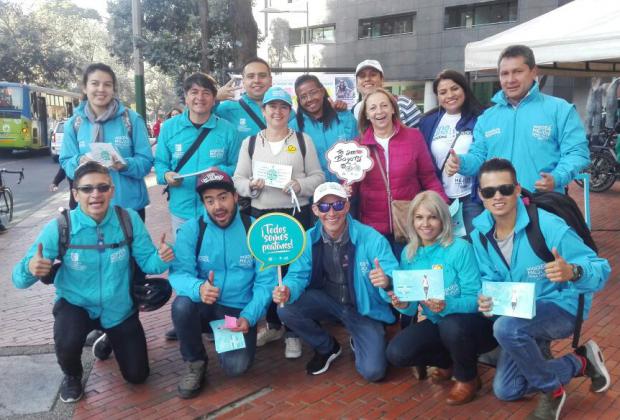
[
  {"x": 244, "y": 31},
  {"x": 203, "y": 10}
]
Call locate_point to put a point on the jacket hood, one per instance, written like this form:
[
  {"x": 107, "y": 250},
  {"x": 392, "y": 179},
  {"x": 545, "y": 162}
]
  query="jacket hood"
[
  {"x": 500, "y": 98},
  {"x": 485, "y": 222}
]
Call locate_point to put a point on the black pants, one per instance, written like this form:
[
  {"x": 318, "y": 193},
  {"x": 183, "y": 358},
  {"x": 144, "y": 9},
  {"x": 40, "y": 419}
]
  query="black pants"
[{"x": 71, "y": 326}]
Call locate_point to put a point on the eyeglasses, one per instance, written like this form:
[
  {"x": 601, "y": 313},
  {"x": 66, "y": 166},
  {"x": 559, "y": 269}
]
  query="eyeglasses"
[
  {"x": 336, "y": 205},
  {"x": 505, "y": 190},
  {"x": 312, "y": 94},
  {"x": 88, "y": 189}
]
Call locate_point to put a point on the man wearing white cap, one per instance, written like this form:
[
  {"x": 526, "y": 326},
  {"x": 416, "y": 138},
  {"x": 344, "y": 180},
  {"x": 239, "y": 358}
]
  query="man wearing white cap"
[
  {"x": 369, "y": 76},
  {"x": 343, "y": 274}
]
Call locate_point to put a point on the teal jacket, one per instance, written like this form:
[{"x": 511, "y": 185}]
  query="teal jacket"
[
  {"x": 98, "y": 281},
  {"x": 129, "y": 186},
  {"x": 542, "y": 134},
  {"x": 220, "y": 149},
  {"x": 461, "y": 276},
  {"x": 527, "y": 267},
  {"x": 368, "y": 244},
  {"x": 225, "y": 252},
  {"x": 344, "y": 128}
]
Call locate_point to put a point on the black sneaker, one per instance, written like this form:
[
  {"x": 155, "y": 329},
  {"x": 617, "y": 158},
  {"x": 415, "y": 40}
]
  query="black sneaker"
[
  {"x": 191, "y": 383},
  {"x": 320, "y": 362},
  {"x": 595, "y": 366},
  {"x": 102, "y": 349},
  {"x": 92, "y": 337},
  {"x": 71, "y": 389},
  {"x": 549, "y": 406},
  {"x": 171, "y": 335}
]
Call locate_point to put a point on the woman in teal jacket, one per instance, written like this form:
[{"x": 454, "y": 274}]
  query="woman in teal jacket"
[{"x": 453, "y": 333}]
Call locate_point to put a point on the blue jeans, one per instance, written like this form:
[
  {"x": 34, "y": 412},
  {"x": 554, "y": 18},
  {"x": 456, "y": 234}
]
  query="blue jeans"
[
  {"x": 191, "y": 319},
  {"x": 314, "y": 305},
  {"x": 521, "y": 368},
  {"x": 471, "y": 209}
]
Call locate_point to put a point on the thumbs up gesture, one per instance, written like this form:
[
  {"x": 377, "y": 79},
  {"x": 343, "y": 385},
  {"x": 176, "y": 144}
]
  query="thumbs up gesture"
[
  {"x": 545, "y": 183},
  {"x": 378, "y": 277},
  {"x": 208, "y": 292},
  {"x": 453, "y": 164},
  {"x": 39, "y": 266},
  {"x": 166, "y": 254},
  {"x": 558, "y": 269}
]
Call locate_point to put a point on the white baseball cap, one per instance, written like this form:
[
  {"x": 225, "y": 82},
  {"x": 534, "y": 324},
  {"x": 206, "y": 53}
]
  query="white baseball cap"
[
  {"x": 373, "y": 64},
  {"x": 329, "y": 188}
]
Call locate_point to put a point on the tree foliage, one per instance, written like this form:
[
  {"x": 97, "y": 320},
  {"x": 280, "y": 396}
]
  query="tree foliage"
[{"x": 279, "y": 45}]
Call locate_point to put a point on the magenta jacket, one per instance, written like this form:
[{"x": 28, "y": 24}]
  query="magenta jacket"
[{"x": 411, "y": 171}]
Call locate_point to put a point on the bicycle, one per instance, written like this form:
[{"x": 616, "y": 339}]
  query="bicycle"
[
  {"x": 604, "y": 167},
  {"x": 6, "y": 195}
]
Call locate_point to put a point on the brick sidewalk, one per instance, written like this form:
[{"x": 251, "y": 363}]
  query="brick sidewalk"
[{"x": 275, "y": 387}]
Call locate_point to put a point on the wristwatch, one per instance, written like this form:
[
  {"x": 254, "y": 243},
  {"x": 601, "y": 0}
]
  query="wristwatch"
[{"x": 577, "y": 272}]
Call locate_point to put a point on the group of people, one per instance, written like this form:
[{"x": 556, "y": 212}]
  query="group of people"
[{"x": 205, "y": 158}]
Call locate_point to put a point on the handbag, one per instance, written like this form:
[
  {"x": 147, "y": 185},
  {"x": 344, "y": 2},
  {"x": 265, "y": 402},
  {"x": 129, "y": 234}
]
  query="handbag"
[{"x": 398, "y": 208}]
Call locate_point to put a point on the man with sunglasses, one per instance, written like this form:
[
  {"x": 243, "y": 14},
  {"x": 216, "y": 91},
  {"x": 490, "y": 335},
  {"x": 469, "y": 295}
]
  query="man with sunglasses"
[
  {"x": 93, "y": 283},
  {"x": 508, "y": 255},
  {"x": 340, "y": 276}
]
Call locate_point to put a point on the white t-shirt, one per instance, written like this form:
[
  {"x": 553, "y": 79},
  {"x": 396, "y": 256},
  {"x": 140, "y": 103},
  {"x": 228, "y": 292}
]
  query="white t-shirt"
[
  {"x": 458, "y": 185},
  {"x": 384, "y": 143},
  {"x": 276, "y": 146}
]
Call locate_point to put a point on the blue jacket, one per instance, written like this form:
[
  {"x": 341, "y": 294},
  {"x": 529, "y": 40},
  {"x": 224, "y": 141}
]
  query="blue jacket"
[
  {"x": 98, "y": 281},
  {"x": 527, "y": 267},
  {"x": 225, "y": 252},
  {"x": 461, "y": 276},
  {"x": 130, "y": 189},
  {"x": 220, "y": 148},
  {"x": 542, "y": 134},
  {"x": 344, "y": 128},
  {"x": 368, "y": 244}
]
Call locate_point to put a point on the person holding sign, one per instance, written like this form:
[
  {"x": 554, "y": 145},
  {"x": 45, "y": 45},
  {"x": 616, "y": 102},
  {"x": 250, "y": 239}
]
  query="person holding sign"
[
  {"x": 341, "y": 275},
  {"x": 453, "y": 333},
  {"x": 215, "y": 278},
  {"x": 505, "y": 253}
]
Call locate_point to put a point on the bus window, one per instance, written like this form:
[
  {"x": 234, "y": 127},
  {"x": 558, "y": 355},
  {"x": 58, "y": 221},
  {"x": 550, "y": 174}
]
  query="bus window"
[{"x": 11, "y": 98}]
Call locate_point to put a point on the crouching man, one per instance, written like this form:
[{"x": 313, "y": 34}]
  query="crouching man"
[
  {"x": 339, "y": 277},
  {"x": 215, "y": 275},
  {"x": 93, "y": 283}
]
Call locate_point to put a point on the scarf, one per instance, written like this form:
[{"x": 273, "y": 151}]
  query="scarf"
[{"x": 97, "y": 122}]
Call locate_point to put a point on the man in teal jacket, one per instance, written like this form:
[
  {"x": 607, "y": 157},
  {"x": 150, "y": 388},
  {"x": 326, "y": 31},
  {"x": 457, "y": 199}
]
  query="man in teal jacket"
[
  {"x": 219, "y": 149},
  {"x": 340, "y": 276},
  {"x": 540, "y": 134},
  {"x": 216, "y": 277},
  {"x": 507, "y": 255},
  {"x": 93, "y": 282}
]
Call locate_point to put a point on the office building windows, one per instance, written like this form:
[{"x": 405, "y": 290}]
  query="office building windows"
[
  {"x": 386, "y": 25},
  {"x": 318, "y": 35},
  {"x": 469, "y": 15}
]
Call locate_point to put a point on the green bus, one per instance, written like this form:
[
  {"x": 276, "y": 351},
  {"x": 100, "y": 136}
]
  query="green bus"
[{"x": 28, "y": 113}]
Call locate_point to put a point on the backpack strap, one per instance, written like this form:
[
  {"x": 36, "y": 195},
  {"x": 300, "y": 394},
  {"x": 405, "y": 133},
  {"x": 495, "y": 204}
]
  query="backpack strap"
[
  {"x": 126, "y": 226},
  {"x": 301, "y": 140},
  {"x": 247, "y": 222},
  {"x": 64, "y": 232},
  {"x": 252, "y": 146},
  {"x": 127, "y": 123},
  {"x": 252, "y": 114},
  {"x": 202, "y": 227},
  {"x": 535, "y": 236}
]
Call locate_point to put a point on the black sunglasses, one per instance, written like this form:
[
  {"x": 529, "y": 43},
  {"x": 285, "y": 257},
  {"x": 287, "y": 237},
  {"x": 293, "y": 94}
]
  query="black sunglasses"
[
  {"x": 336, "y": 205},
  {"x": 505, "y": 190},
  {"x": 88, "y": 189}
]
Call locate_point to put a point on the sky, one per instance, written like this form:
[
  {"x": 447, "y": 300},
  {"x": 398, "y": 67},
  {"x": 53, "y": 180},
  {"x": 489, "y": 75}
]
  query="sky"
[{"x": 99, "y": 5}]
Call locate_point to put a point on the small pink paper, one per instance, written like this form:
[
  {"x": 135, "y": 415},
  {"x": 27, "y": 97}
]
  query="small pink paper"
[{"x": 230, "y": 321}]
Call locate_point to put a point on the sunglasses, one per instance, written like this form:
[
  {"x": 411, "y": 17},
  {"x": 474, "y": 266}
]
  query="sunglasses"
[
  {"x": 88, "y": 189},
  {"x": 336, "y": 205},
  {"x": 505, "y": 190}
]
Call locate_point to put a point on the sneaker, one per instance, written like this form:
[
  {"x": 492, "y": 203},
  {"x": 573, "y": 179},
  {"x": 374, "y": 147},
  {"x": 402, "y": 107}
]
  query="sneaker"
[
  {"x": 102, "y": 349},
  {"x": 266, "y": 335},
  {"x": 595, "y": 367},
  {"x": 92, "y": 337},
  {"x": 320, "y": 362},
  {"x": 71, "y": 389},
  {"x": 549, "y": 406},
  {"x": 292, "y": 347},
  {"x": 171, "y": 335},
  {"x": 192, "y": 381}
]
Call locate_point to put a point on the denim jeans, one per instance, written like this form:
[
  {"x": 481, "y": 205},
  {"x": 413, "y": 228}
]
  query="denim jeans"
[
  {"x": 315, "y": 305},
  {"x": 191, "y": 319},
  {"x": 521, "y": 368},
  {"x": 471, "y": 209}
]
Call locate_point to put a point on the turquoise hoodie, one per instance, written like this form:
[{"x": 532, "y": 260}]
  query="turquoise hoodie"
[
  {"x": 225, "y": 252},
  {"x": 97, "y": 281},
  {"x": 219, "y": 149},
  {"x": 129, "y": 186},
  {"x": 461, "y": 276},
  {"x": 344, "y": 128},
  {"x": 542, "y": 134},
  {"x": 369, "y": 244},
  {"x": 527, "y": 267}
]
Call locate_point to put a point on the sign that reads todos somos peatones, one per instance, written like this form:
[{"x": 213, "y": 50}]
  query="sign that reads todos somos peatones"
[{"x": 276, "y": 239}]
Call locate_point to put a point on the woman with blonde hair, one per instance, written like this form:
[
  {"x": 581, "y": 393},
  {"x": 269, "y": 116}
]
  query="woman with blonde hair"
[{"x": 453, "y": 333}]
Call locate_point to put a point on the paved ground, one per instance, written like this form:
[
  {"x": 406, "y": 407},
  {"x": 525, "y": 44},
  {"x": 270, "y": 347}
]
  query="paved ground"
[{"x": 275, "y": 387}]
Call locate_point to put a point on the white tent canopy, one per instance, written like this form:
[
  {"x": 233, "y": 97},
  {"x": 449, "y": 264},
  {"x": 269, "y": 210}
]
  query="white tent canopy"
[{"x": 581, "y": 38}]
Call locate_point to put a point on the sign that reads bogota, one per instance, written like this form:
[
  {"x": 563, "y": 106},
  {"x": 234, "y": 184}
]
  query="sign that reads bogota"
[
  {"x": 349, "y": 160},
  {"x": 276, "y": 239}
]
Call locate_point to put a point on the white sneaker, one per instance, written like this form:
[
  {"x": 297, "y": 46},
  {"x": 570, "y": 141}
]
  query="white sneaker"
[
  {"x": 266, "y": 335},
  {"x": 292, "y": 349}
]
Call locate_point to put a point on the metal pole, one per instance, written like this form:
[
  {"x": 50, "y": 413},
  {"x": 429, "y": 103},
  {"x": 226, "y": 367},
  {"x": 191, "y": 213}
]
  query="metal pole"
[
  {"x": 307, "y": 38},
  {"x": 136, "y": 20}
]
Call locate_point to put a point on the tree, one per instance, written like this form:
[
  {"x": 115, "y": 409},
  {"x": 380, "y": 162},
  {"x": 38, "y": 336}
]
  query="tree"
[
  {"x": 244, "y": 31},
  {"x": 279, "y": 44}
]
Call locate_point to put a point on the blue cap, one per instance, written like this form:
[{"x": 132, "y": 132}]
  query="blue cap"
[{"x": 277, "y": 94}]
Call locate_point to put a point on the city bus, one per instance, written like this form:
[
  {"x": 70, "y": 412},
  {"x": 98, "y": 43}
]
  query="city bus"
[{"x": 28, "y": 113}]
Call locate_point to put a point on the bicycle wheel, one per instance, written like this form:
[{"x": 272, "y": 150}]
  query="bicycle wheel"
[
  {"x": 602, "y": 171},
  {"x": 6, "y": 202}
]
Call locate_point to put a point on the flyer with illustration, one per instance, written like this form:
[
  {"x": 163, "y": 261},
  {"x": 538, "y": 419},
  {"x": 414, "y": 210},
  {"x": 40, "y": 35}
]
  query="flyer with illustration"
[
  {"x": 275, "y": 175},
  {"x": 511, "y": 298},
  {"x": 225, "y": 339},
  {"x": 418, "y": 285}
]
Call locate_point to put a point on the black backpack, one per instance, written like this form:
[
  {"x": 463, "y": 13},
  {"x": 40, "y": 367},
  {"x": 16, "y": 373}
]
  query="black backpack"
[
  {"x": 563, "y": 206},
  {"x": 202, "y": 226}
]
